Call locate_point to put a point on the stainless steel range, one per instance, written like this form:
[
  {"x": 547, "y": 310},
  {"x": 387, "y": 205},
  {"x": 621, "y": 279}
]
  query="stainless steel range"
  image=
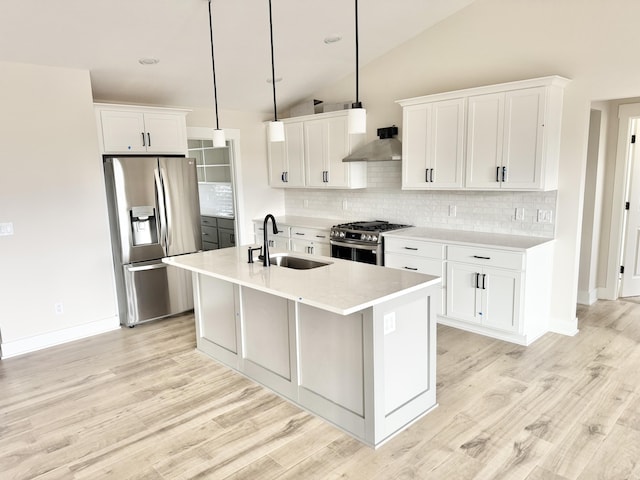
[{"x": 360, "y": 241}]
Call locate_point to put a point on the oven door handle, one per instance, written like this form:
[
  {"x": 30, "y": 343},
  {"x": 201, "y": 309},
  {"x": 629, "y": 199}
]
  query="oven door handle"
[{"x": 358, "y": 246}]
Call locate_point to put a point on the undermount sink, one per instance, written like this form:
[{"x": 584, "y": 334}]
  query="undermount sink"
[{"x": 297, "y": 263}]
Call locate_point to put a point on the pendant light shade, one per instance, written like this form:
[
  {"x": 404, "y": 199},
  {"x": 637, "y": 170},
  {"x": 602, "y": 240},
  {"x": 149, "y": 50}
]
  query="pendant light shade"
[
  {"x": 218, "y": 134},
  {"x": 357, "y": 120},
  {"x": 276, "y": 132},
  {"x": 219, "y": 139},
  {"x": 357, "y": 116},
  {"x": 276, "y": 128}
]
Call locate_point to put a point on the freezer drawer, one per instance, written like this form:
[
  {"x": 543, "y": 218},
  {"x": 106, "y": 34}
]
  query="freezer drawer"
[{"x": 155, "y": 290}]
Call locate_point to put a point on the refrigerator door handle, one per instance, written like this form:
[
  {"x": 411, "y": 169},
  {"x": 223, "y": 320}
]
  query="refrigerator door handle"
[{"x": 164, "y": 233}]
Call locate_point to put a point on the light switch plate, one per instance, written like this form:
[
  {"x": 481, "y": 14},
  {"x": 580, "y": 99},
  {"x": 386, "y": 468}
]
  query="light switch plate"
[{"x": 6, "y": 228}]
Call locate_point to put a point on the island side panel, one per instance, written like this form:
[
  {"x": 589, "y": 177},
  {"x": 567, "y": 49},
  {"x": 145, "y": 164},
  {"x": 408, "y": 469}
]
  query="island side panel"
[
  {"x": 331, "y": 366},
  {"x": 269, "y": 340},
  {"x": 216, "y": 303},
  {"x": 404, "y": 371}
]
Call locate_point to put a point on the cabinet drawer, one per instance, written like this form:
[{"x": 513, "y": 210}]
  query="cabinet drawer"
[
  {"x": 208, "y": 221},
  {"x": 310, "y": 234},
  {"x": 282, "y": 231},
  {"x": 226, "y": 223},
  {"x": 486, "y": 256},
  {"x": 429, "y": 266},
  {"x": 414, "y": 247},
  {"x": 209, "y": 234}
]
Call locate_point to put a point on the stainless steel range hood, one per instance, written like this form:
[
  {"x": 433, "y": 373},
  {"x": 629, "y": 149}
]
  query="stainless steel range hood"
[{"x": 386, "y": 148}]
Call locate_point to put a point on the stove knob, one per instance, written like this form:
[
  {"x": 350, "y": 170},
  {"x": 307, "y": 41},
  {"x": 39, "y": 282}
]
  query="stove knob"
[
  {"x": 333, "y": 233},
  {"x": 369, "y": 238},
  {"x": 342, "y": 234},
  {"x": 374, "y": 238}
]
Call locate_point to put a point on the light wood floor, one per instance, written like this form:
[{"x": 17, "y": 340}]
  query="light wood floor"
[{"x": 143, "y": 404}]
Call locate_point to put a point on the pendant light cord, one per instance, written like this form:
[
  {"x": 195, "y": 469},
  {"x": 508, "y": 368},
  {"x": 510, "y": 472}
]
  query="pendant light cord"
[
  {"x": 357, "y": 69},
  {"x": 213, "y": 63},
  {"x": 273, "y": 68}
]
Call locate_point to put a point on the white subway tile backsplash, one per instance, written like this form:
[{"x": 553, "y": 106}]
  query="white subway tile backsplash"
[{"x": 383, "y": 199}]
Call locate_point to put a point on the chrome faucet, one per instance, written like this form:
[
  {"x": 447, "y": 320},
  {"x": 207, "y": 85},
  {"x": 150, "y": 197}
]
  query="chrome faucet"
[{"x": 266, "y": 261}]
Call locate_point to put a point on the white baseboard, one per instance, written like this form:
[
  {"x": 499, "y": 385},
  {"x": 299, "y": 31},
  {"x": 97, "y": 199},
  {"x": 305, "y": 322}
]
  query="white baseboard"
[
  {"x": 45, "y": 340},
  {"x": 587, "y": 297},
  {"x": 564, "y": 328}
]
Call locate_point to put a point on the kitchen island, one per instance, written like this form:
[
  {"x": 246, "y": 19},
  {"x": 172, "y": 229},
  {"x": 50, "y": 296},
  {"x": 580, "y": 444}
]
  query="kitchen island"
[{"x": 351, "y": 342}]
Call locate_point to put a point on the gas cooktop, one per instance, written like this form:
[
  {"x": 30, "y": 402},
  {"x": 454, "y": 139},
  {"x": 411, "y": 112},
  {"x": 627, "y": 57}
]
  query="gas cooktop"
[{"x": 365, "y": 231}]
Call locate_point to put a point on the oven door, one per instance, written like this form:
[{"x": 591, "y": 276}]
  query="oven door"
[{"x": 356, "y": 252}]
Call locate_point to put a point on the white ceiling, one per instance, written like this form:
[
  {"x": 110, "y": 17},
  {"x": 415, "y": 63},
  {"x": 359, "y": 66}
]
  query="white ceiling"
[{"x": 108, "y": 37}]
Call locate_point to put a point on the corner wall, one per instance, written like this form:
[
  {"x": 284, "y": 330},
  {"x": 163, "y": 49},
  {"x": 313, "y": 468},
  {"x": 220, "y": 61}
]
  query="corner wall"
[{"x": 51, "y": 189}]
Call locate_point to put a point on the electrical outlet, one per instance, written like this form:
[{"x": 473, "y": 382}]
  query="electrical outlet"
[
  {"x": 389, "y": 323},
  {"x": 519, "y": 215},
  {"x": 545, "y": 216},
  {"x": 6, "y": 228},
  {"x": 452, "y": 210},
  {"x": 59, "y": 308}
]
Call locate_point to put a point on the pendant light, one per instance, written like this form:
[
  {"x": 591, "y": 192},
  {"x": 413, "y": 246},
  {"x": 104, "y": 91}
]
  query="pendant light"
[
  {"x": 276, "y": 128},
  {"x": 218, "y": 134},
  {"x": 357, "y": 116}
]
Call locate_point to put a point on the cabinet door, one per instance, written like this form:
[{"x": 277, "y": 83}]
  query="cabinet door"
[
  {"x": 501, "y": 298},
  {"x": 123, "y": 132},
  {"x": 337, "y": 148},
  {"x": 445, "y": 144},
  {"x": 523, "y": 133},
  {"x": 166, "y": 133},
  {"x": 485, "y": 141},
  {"x": 286, "y": 159},
  {"x": 310, "y": 247},
  {"x": 316, "y": 154},
  {"x": 464, "y": 300},
  {"x": 415, "y": 125}
]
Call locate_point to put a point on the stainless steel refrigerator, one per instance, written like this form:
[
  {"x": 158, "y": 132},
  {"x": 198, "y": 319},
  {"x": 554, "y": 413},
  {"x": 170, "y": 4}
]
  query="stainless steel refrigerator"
[{"x": 154, "y": 213}]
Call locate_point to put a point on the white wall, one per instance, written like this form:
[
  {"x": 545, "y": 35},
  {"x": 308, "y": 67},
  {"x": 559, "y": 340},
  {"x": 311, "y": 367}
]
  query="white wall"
[
  {"x": 494, "y": 41},
  {"x": 258, "y": 198},
  {"x": 52, "y": 190}
]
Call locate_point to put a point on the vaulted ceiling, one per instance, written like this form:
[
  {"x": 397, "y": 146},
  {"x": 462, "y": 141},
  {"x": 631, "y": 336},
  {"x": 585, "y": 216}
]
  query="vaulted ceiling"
[{"x": 109, "y": 37}]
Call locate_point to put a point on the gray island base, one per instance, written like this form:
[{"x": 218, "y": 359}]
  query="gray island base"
[{"x": 349, "y": 342}]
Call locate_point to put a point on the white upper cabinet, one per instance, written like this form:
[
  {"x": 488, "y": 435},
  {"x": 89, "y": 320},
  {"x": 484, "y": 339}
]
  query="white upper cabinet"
[
  {"x": 316, "y": 144},
  {"x": 286, "y": 159},
  {"x": 432, "y": 145},
  {"x": 507, "y": 138},
  {"x": 133, "y": 129}
]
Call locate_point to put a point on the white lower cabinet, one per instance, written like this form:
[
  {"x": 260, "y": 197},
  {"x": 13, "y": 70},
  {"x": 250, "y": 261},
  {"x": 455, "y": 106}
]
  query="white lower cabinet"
[
  {"x": 502, "y": 293},
  {"x": 279, "y": 241},
  {"x": 485, "y": 296},
  {"x": 310, "y": 240}
]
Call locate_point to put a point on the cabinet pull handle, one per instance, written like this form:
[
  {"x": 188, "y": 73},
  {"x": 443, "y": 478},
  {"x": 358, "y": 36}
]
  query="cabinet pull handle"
[
  {"x": 410, "y": 268},
  {"x": 148, "y": 139},
  {"x": 481, "y": 257},
  {"x": 477, "y": 280},
  {"x": 282, "y": 177},
  {"x": 484, "y": 281},
  {"x": 410, "y": 248},
  {"x": 504, "y": 173},
  {"x": 298, "y": 233},
  {"x": 321, "y": 236},
  {"x": 431, "y": 178},
  {"x": 311, "y": 250},
  {"x": 426, "y": 175},
  {"x": 144, "y": 144},
  {"x": 497, "y": 174}
]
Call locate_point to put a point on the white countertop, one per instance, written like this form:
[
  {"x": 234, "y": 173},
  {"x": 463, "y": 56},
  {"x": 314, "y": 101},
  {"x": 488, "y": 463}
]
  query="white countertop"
[
  {"x": 304, "y": 222},
  {"x": 343, "y": 287},
  {"x": 463, "y": 237}
]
